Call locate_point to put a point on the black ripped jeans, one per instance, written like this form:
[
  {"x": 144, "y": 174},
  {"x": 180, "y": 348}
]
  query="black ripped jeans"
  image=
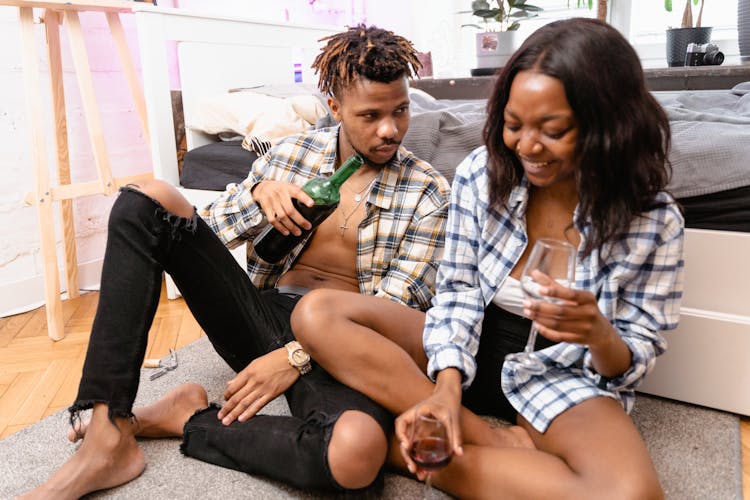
[{"x": 242, "y": 323}]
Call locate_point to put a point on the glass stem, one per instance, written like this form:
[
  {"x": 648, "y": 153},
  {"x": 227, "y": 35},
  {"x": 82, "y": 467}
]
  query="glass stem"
[
  {"x": 531, "y": 343},
  {"x": 428, "y": 487}
]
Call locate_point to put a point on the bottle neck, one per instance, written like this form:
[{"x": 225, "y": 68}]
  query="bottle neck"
[{"x": 345, "y": 170}]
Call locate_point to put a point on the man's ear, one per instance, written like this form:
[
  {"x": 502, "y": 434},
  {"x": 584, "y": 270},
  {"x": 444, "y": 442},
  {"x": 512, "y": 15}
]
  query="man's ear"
[{"x": 335, "y": 106}]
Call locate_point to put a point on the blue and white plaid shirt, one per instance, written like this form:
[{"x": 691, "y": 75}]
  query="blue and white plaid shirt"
[
  {"x": 399, "y": 242},
  {"x": 637, "y": 281}
]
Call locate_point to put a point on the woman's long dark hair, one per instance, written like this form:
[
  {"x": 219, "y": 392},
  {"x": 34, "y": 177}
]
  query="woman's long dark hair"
[{"x": 623, "y": 133}]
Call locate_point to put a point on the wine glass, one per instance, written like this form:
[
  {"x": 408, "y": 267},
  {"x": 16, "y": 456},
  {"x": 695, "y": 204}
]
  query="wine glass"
[
  {"x": 430, "y": 447},
  {"x": 557, "y": 260}
]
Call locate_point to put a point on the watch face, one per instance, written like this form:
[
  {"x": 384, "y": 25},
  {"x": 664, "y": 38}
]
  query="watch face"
[{"x": 300, "y": 357}]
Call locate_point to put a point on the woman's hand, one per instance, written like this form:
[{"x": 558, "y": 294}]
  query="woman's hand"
[
  {"x": 445, "y": 405},
  {"x": 275, "y": 199},
  {"x": 261, "y": 381},
  {"x": 574, "y": 316}
]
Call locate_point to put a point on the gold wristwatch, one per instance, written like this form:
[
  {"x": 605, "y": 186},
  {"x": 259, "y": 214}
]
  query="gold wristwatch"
[{"x": 298, "y": 358}]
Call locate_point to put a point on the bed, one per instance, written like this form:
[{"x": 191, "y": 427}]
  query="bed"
[{"x": 708, "y": 360}]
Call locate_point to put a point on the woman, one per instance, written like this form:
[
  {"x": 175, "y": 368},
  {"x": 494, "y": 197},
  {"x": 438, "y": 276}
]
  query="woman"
[{"x": 575, "y": 150}]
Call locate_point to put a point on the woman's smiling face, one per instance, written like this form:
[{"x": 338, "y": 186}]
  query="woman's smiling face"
[{"x": 541, "y": 129}]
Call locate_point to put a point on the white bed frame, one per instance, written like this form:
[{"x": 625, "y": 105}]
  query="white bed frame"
[
  {"x": 214, "y": 54},
  {"x": 708, "y": 361}
]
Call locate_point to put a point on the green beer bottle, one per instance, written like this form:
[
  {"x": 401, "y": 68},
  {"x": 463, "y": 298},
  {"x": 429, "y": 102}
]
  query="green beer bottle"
[{"x": 272, "y": 246}]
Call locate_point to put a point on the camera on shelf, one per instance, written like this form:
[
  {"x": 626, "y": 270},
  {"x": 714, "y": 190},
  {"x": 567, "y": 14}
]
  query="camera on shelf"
[{"x": 703, "y": 54}]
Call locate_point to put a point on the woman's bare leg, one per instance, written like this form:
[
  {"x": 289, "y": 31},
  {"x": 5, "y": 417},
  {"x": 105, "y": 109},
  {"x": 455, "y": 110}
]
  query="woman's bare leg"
[
  {"x": 374, "y": 346},
  {"x": 591, "y": 451}
]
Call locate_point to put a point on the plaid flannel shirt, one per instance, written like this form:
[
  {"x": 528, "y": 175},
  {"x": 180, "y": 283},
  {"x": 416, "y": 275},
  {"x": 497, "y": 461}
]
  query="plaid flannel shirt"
[
  {"x": 637, "y": 281},
  {"x": 399, "y": 242}
]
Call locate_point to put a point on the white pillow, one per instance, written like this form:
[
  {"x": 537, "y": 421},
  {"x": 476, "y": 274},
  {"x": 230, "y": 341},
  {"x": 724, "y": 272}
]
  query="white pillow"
[{"x": 257, "y": 116}]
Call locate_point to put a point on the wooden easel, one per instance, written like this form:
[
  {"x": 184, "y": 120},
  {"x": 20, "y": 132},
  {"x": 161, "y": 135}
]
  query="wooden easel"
[{"x": 45, "y": 193}]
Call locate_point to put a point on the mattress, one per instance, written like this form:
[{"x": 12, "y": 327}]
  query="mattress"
[{"x": 213, "y": 166}]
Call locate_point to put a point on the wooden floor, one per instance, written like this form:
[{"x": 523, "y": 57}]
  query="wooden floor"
[{"x": 39, "y": 377}]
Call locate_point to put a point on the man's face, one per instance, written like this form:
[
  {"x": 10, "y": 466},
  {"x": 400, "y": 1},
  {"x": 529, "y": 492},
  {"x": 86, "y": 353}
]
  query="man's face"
[{"x": 374, "y": 118}]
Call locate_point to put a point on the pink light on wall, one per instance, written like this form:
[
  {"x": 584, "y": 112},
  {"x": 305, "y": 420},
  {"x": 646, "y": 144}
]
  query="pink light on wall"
[
  {"x": 361, "y": 16},
  {"x": 326, "y": 12}
]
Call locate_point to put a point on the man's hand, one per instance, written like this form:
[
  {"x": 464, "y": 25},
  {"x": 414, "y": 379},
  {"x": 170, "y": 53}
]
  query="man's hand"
[
  {"x": 261, "y": 381},
  {"x": 275, "y": 198}
]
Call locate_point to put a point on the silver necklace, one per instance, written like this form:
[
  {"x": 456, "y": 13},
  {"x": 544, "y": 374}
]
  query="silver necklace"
[
  {"x": 358, "y": 194},
  {"x": 358, "y": 197}
]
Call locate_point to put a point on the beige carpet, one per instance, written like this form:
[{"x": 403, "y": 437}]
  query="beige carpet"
[{"x": 696, "y": 450}]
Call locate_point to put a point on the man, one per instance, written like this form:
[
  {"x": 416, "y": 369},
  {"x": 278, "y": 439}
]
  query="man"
[{"x": 384, "y": 239}]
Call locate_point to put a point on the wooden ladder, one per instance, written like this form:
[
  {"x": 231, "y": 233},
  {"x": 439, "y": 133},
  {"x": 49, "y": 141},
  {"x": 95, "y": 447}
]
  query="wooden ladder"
[{"x": 46, "y": 193}]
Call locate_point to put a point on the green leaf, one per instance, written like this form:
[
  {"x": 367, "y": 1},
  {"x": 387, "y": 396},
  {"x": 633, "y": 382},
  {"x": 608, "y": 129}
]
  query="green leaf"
[
  {"x": 522, "y": 14},
  {"x": 505, "y": 10},
  {"x": 486, "y": 13},
  {"x": 668, "y": 5}
]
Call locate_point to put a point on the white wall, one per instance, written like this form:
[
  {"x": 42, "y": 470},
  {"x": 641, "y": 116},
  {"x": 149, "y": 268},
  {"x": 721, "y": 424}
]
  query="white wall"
[{"x": 433, "y": 26}]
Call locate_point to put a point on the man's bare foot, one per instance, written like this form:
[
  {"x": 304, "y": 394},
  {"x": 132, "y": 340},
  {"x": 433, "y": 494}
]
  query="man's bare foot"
[
  {"x": 109, "y": 456},
  {"x": 163, "y": 418}
]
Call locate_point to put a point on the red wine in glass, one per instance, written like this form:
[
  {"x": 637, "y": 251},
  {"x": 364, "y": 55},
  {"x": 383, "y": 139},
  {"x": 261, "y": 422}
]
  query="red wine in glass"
[
  {"x": 431, "y": 453},
  {"x": 430, "y": 448}
]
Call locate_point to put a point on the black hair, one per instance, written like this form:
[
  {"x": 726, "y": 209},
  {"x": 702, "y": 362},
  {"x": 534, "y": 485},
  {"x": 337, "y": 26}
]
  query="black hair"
[{"x": 361, "y": 51}]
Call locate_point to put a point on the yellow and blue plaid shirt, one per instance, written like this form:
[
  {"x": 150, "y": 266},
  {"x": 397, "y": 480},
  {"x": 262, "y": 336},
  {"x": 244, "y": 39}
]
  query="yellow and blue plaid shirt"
[
  {"x": 638, "y": 281},
  {"x": 399, "y": 242}
]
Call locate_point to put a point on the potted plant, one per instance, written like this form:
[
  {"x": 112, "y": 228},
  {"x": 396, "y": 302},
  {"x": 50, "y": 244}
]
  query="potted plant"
[
  {"x": 500, "y": 19},
  {"x": 688, "y": 32}
]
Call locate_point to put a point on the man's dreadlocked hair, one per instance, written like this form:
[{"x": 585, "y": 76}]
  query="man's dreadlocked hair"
[{"x": 373, "y": 53}]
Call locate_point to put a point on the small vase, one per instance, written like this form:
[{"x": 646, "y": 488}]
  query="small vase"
[
  {"x": 494, "y": 48},
  {"x": 678, "y": 40}
]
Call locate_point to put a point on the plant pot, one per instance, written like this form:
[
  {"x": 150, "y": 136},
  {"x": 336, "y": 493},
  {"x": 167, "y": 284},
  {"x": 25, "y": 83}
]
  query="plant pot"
[
  {"x": 494, "y": 48},
  {"x": 678, "y": 40},
  {"x": 743, "y": 29}
]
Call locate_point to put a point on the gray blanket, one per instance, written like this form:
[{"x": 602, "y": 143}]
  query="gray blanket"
[
  {"x": 710, "y": 136},
  {"x": 710, "y": 139}
]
